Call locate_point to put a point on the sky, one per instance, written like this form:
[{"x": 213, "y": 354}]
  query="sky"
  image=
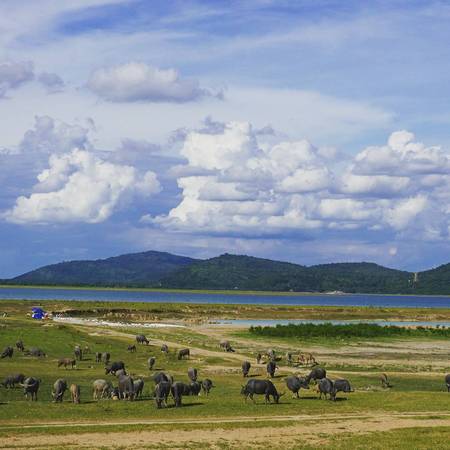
[{"x": 309, "y": 131}]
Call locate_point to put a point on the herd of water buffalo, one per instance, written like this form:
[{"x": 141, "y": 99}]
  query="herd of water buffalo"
[{"x": 131, "y": 389}]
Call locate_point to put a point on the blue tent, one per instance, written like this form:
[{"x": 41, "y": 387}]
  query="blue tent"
[{"x": 38, "y": 313}]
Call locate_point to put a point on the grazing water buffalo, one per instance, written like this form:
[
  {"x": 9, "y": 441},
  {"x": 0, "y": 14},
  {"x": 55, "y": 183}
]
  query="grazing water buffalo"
[
  {"x": 162, "y": 391},
  {"x": 447, "y": 382},
  {"x": 178, "y": 389},
  {"x": 384, "y": 381},
  {"x": 263, "y": 387},
  {"x": 316, "y": 374},
  {"x": 7, "y": 352},
  {"x": 131, "y": 348},
  {"x": 31, "y": 387},
  {"x": 75, "y": 393},
  {"x": 151, "y": 362},
  {"x": 106, "y": 357},
  {"x": 34, "y": 351},
  {"x": 114, "y": 367},
  {"x": 67, "y": 362},
  {"x": 138, "y": 387},
  {"x": 98, "y": 357},
  {"x": 161, "y": 376},
  {"x": 165, "y": 348},
  {"x": 258, "y": 358},
  {"x": 126, "y": 387},
  {"x": 207, "y": 384},
  {"x": 271, "y": 354},
  {"x": 101, "y": 389},
  {"x": 245, "y": 368},
  {"x": 59, "y": 388},
  {"x": 195, "y": 388},
  {"x": 78, "y": 352},
  {"x": 341, "y": 386},
  {"x": 225, "y": 345},
  {"x": 326, "y": 386},
  {"x": 294, "y": 384},
  {"x": 20, "y": 346},
  {"x": 141, "y": 339},
  {"x": 270, "y": 368},
  {"x": 11, "y": 380},
  {"x": 192, "y": 373},
  {"x": 184, "y": 352}
]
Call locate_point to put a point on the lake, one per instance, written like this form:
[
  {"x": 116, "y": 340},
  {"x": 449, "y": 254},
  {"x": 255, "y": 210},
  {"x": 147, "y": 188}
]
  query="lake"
[{"x": 406, "y": 301}]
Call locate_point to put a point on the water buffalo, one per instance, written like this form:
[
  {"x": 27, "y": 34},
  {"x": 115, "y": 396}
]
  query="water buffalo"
[
  {"x": 7, "y": 352},
  {"x": 59, "y": 388},
  {"x": 245, "y": 368},
  {"x": 75, "y": 393},
  {"x": 11, "y": 380},
  {"x": 120, "y": 372},
  {"x": 326, "y": 386},
  {"x": 31, "y": 387},
  {"x": 341, "y": 386},
  {"x": 385, "y": 381},
  {"x": 114, "y": 367},
  {"x": 316, "y": 374},
  {"x": 207, "y": 384},
  {"x": 162, "y": 391},
  {"x": 192, "y": 373},
  {"x": 258, "y": 358},
  {"x": 294, "y": 384},
  {"x": 138, "y": 387},
  {"x": 271, "y": 354},
  {"x": 164, "y": 348},
  {"x": 225, "y": 345},
  {"x": 78, "y": 352},
  {"x": 20, "y": 346},
  {"x": 126, "y": 387},
  {"x": 161, "y": 376},
  {"x": 270, "y": 368},
  {"x": 34, "y": 351},
  {"x": 67, "y": 362},
  {"x": 141, "y": 339},
  {"x": 151, "y": 362},
  {"x": 106, "y": 357},
  {"x": 195, "y": 387},
  {"x": 289, "y": 358},
  {"x": 178, "y": 389},
  {"x": 131, "y": 348},
  {"x": 265, "y": 387},
  {"x": 98, "y": 357},
  {"x": 101, "y": 389},
  {"x": 184, "y": 352}
]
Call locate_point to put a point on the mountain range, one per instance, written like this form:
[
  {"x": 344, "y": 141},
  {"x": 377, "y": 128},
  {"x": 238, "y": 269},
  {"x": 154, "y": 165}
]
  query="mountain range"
[{"x": 165, "y": 270}]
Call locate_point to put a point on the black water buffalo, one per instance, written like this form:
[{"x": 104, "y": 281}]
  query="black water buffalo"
[
  {"x": 106, "y": 357},
  {"x": 316, "y": 374},
  {"x": 245, "y": 368},
  {"x": 67, "y": 362},
  {"x": 59, "y": 388},
  {"x": 195, "y": 387},
  {"x": 164, "y": 348},
  {"x": 178, "y": 389},
  {"x": 225, "y": 345},
  {"x": 270, "y": 368},
  {"x": 326, "y": 386},
  {"x": 114, "y": 367},
  {"x": 126, "y": 387},
  {"x": 162, "y": 391},
  {"x": 78, "y": 352},
  {"x": 262, "y": 387},
  {"x": 151, "y": 362},
  {"x": 138, "y": 387},
  {"x": 294, "y": 384},
  {"x": 258, "y": 358},
  {"x": 207, "y": 384},
  {"x": 341, "y": 385},
  {"x": 184, "y": 352},
  {"x": 7, "y": 352},
  {"x": 161, "y": 376},
  {"x": 98, "y": 357},
  {"x": 34, "y": 351},
  {"x": 141, "y": 339},
  {"x": 447, "y": 382},
  {"x": 31, "y": 387},
  {"x": 20, "y": 346},
  {"x": 192, "y": 373},
  {"x": 131, "y": 348},
  {"x": 10, "y": 381}
]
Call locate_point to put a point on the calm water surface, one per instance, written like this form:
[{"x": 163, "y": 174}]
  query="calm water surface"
[{"x": 264, "y": 299}]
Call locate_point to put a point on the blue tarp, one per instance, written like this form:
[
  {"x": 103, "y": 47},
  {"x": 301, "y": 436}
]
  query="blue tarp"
[{"x": 38, "y": 313}]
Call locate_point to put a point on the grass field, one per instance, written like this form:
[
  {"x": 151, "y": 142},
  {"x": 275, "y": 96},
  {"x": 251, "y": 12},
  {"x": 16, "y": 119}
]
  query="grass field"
[{"x": 414, "y": 413}]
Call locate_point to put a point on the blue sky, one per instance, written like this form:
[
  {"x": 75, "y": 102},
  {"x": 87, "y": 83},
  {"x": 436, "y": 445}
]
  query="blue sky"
[{"x": 307, "y": 131}]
